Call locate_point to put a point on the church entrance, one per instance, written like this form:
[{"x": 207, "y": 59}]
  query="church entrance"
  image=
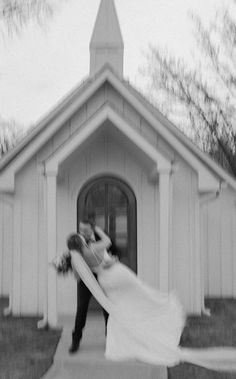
[{"x": 113, "y": 204}]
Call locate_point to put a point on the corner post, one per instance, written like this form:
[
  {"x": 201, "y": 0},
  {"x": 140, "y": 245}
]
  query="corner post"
[
  {"x": 50, "y": 303},
  {"x": 51, "y": 182},
  {"x": 165, "y": 201}
]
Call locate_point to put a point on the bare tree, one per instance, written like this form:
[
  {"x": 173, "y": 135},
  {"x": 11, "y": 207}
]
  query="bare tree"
[
  {"x": 202, "y": 101},
  {"x": 10, "y": 133},
  {"x": 16, "y": 14}
]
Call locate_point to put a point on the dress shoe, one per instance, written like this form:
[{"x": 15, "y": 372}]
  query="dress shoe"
[{"x": 74, "y": 348}]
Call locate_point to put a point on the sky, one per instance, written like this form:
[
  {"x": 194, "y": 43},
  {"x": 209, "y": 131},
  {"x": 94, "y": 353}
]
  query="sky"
[{"x": 42, "y": 64}]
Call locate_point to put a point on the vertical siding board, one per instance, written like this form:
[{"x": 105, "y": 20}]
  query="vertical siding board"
[
  {"x": 116, "y": 157},
  {"x": 78, "y": 119},
  {"x": 219, "y": 245},
  {"x": 181, "y": 234},
  {"x": 17, "y": 248},
  {"x": 194, "y": 245},
  {"x": 1, "y": 243},
  {"x": 97, "y": 156},
  {"x": 61, "y": 136},
  {"x": 132, "y": 115},
  {"x": 204, "y": 249},
  {"x": 148, "y": 232},
  {"x": 96, "y": 101},
  {"x": 41, "y": 242},
  {"x": 7, "y": 247},
  {"x": 29, "y": 284},
  {"x": 226, "y": 246},
  {"x": 214, "y": 236},
  {"x": 77, "y": 173},
  {"x": 190, "y": 242},
  {"x": 234, "y": 244},
  {"x": 157, "y": 236},
  {"x": 114, "y": 98},
  {"x": 197, "y": 261},
  {"x": 149, "y": 133},
  {"x": 171, "y": 236},
  {"x": 65, "y": 285}
]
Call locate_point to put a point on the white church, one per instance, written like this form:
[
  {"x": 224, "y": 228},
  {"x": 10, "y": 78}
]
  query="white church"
[{"x": 170, "y": 209}]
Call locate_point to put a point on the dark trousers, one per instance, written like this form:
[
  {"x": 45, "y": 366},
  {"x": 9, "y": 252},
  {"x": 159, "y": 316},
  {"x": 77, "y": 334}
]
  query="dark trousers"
[{"x": 83, "y": 298}]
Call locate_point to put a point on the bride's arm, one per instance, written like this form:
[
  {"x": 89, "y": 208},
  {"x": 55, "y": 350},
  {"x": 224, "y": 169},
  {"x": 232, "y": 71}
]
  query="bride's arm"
[{"x": 104, "y": 243}]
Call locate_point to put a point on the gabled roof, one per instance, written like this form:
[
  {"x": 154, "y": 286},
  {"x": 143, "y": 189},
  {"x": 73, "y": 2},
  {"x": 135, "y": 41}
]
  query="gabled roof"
[
  {"x": 52, "y": 122},
  {"x": 106, "y": 112}
]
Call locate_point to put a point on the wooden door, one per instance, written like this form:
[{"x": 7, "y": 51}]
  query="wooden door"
[{"x": 114, "y": 206}]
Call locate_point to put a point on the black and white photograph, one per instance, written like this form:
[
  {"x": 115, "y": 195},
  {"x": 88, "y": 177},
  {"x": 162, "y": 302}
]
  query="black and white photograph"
[{"x": 117, "y": 189}]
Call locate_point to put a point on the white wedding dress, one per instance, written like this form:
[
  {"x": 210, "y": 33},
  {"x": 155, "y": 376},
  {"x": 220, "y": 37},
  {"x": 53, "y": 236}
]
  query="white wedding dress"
[{"x": 144, "y": 324}]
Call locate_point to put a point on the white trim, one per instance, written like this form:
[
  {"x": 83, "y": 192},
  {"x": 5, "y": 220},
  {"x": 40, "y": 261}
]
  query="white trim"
[
  {"x": 44, "y": 322},
  {"x": 1, "y": 243},
  {"x": 199, "y": 276},
  {"x": 164, "y": 235},
  {"x": 16, "y": 259},
  {"x": 50, "y": 316},
  {"x": 17, "y": 158},
  {"x": 9, "y": 200},
  {"x": 51, "y": 248},
  {"x": 93, "y": 124}
]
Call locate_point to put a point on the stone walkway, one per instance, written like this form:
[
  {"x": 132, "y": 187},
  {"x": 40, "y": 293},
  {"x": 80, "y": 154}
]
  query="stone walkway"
[{"x": 90, "y": 363}]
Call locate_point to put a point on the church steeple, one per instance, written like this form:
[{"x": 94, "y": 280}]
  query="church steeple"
[{"x": 106, "y": 45}]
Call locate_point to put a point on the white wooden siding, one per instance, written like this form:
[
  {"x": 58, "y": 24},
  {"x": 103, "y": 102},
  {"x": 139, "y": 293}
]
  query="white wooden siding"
[
  {"x": 103, "y": 155},
  {"x": 6, "y": 240},
  {"x": 219, "y": 245}
]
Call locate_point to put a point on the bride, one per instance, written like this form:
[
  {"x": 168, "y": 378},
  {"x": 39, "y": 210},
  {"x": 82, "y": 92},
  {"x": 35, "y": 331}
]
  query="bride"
[{"x": 144, "y": 323}]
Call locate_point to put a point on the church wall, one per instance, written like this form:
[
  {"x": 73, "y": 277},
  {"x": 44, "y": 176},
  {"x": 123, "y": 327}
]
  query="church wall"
[
  {"x": 100, "y": 156},
  {"x": 6, "y": 234},
  {"x": 218, "y": 228},
  {"x": 104, "y": 153},
  {"x": 108, "y": 152}
]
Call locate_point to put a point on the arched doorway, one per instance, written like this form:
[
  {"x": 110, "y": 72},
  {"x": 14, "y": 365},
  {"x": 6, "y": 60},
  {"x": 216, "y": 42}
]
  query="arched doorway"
[{"x": 114, "y": 205}]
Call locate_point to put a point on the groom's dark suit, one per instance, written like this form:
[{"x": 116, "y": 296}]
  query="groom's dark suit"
[{"x": 83, "y": 298}]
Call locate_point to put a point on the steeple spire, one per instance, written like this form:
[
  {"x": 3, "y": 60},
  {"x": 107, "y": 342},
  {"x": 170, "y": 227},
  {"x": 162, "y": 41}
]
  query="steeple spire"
[{"x": 106, "y": 45}]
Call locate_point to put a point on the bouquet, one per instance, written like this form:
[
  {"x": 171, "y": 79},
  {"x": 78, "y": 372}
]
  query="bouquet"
[{"x": 62, "y": 264}]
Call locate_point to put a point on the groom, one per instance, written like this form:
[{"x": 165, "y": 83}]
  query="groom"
[{"x": 86, "y": 229}]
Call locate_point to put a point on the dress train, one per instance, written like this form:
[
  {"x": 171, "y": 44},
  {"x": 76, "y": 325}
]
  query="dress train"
[{"x": 145, "y": 324}]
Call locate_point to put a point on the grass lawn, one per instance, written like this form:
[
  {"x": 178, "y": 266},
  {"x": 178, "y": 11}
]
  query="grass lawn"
[
  {"x": 25, "y": 351},
  {"x": 217, "y": 330}
]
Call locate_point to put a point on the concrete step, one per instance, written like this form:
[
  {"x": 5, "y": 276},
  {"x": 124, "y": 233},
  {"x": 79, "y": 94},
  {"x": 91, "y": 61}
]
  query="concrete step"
[{"x": 90, "y": 362}]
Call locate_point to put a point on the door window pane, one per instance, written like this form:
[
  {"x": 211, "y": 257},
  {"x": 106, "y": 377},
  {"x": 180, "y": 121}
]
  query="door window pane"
[{"x": 118, "y": 219}]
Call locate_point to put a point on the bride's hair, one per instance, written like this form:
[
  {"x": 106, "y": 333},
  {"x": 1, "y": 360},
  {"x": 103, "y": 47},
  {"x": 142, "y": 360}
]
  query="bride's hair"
[{"x": 74, "y": 242}]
